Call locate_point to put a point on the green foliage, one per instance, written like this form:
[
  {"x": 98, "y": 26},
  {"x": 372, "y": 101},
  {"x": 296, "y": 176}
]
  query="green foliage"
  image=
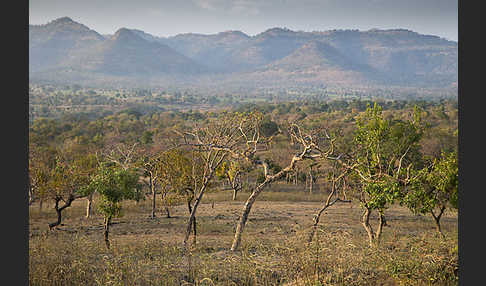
[
  {"x": 385, "y": 151},
  {"x": 147, "y": 137},
  {"x": 228, "y": 169},
  {"x": 268, "y": 127},
  {"x": 220, "y": 172},
  {"x": 436, "y": 186},
  {"x": 382, "y": 193},
  {"x": 114, "y": 186}
]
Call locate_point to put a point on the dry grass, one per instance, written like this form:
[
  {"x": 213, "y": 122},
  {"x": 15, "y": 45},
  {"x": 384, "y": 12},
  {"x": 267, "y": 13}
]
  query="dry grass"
[{"x": 273, "y": 252}]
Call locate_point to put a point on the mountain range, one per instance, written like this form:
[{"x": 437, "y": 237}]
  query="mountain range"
[{"x": 66, "y": 51}]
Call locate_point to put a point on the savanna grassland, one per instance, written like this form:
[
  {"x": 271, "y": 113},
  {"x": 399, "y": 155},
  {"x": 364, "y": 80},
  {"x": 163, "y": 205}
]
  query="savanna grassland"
[
  {"x": 152, "y": 177},
  {"x": 274, "y": 250}
]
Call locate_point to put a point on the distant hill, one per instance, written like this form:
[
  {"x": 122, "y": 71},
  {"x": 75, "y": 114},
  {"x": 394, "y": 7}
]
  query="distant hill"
[
  {"x": 66, "y": 50},
  {"x": 66, "y": 46},
  {"x": 215, "y": 51},
  {"x": 320, "y": 62},
  {"x": 127, "y": 54},
  {"x": 52, "y": 44}
]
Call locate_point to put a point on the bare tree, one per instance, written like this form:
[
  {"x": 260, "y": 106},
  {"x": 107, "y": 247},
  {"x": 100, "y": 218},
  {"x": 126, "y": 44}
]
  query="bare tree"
[
  {"x": 337, "y": 182},
  {"x": 151, "y": 165},
  {"x": 311, "y": 149},
  {"x": 122, "y": 154},
  {"x": 214, "y": 142}
]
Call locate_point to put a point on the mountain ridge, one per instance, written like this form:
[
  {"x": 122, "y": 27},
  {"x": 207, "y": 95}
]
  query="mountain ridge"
[{"x": 374, "y": 57}]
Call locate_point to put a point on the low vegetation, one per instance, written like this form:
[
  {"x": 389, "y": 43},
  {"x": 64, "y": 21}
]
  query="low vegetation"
[
  {"x": 274, "y": 250},
  {"x": 323, "y": 193}
]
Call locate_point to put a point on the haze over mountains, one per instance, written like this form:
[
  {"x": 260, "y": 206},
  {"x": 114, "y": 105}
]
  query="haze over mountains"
[{"x": 64, "y": 51}]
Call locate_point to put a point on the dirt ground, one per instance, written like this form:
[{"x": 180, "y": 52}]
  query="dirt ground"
[
  {"x": 217, "y": 220},
  {"x": 273, "y": 250}
]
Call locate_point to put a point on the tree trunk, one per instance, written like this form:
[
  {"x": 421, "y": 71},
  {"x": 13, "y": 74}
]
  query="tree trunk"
[
  {"x": 192, "y": 217},
  {"x": 59, "y": 216},
  {"x": 106, "y": 232},
  {"x": 316, "y": 222},
  {"x": 367, "y": 226},
  {"x": 242, "y": 222},
  {"x": 194, "y": 231},
  {"x": 235, "y": 185},
  {"x": 437, "y": 221},
  {"x": 379, "y": 230},
  {"x": 88, "y": 205},
  {"x": 165, "y": 203},
  {"x": 59, "y": 211},
  {"x": 258, "y": 189},
  {"x": 194, "y": 228},
  {"x": 167, "y": 211},
  {"x": 194, "y": 224},
  {"x": 154, "y": 193},
  {"x": 311, "y": 180},
  {"x": 189, "y": 207}
]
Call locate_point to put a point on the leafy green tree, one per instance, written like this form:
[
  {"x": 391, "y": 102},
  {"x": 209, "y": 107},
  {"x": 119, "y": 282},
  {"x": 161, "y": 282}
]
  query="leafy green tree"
[
  {"x": 384, "y": 152},
  {"x": 114, "y": 184},
  {"x": 435, "y": 189},
  {"x": 64, "y": 183}
]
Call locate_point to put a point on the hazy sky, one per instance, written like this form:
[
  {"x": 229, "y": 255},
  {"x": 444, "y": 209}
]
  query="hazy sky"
[{"x": 168, "y": 18}]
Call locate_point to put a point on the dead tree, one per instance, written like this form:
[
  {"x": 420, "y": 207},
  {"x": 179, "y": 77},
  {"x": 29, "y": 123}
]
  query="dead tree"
[
  {"x": 214, "y": 142},
  {"x": 310, "y": 150},
  {"x": 150, "y": 165},
  {"x": 122, "y": 155},
  {"x": 332, "y": 198}
]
